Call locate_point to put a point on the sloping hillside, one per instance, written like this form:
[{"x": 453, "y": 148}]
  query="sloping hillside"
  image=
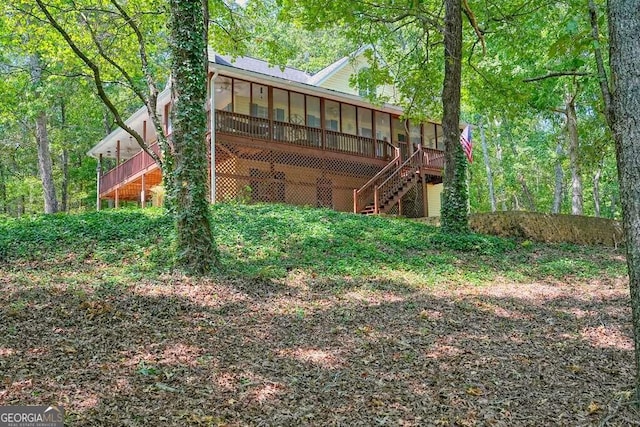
[{"x": 316, "y": 318}]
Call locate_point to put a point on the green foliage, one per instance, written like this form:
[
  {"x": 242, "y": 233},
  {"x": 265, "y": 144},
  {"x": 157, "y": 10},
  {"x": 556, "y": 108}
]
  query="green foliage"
[
  {"x": 471, "y": 242},
  {"x": 107, "y": 236},
  {"x": 271, "y": 243},
  {"x": 455, "y": 197}
]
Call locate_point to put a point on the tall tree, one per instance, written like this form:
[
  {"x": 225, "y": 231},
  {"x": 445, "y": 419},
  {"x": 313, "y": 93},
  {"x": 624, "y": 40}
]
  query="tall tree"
[
  {"x": 622, "y": 104},
  {"x": 45, "y": 164},
  {"x": 189, "y": 64},
  {"x": 487, "y": 166},
  {"x": 454, "y": 194}
]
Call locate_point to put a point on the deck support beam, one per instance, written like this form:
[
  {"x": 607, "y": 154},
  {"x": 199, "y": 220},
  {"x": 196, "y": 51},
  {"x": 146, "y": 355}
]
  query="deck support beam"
[
  {"x": 98, "y": 176},
  {"x": 212, "y": 136},
  {"x": 425, "y": 196},
  {"x": 143, "y": 193}
]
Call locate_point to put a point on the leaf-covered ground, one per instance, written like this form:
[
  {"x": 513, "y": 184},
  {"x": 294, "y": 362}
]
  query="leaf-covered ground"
[{"x": 319, "y": 318}]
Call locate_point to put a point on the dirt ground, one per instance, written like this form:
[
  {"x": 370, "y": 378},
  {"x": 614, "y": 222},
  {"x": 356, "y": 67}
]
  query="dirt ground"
[{"x": 299, "y": 351}]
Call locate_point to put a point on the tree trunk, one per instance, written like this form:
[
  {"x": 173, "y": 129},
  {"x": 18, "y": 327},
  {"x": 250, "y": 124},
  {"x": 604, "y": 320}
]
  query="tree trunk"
[
  {"x": 64, "y": 159},
  {"x": 64, "y": 191},
  {"x": 529, "y": 200},
  {"x": 3, "y": 190},
  {"x": 502, "y": 188},
  {"x": 596, "y": 190},
  {"x": 487, "y": 165},
  {"x": 45, "y": 166},
  {"x": 528, "y": 196},
  {"x": 454, "y": 196},
  {"x": 196, "y": 252},
  {"x": 574, "y": 155},
  {"x": 559, "y": 184},
  {"x": 624, "y": 27}
]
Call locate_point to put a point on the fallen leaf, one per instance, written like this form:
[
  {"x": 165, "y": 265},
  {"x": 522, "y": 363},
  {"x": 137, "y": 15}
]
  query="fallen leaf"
[
  {"x": 593, "y": 408},
  {"x": 475, "y": 391}
]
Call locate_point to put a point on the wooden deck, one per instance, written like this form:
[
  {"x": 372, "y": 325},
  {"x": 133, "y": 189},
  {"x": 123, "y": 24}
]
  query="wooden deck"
[{"x": 252, "y": 136}]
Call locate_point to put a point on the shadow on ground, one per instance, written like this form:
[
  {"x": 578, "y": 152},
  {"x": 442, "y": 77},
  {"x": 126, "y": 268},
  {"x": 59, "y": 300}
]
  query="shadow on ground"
[{"x": 300, "y": 351}]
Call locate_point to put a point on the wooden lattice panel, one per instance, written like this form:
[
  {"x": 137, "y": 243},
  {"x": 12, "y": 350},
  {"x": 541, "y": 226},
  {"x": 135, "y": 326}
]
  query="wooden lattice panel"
[
  {"x": 253, "y": 174},
  {"x": 413, "y": 203}
]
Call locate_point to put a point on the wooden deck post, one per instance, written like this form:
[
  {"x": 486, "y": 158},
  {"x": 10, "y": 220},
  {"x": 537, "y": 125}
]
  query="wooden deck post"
[
  {"x": 375, "y": 200},
  {"x": 143, "y": 193},
  {"x": 98, "y": 176},
  {"x": 355, "y": 200},
  {"x": 425, "y": 196},
  {"x": 118, "y": 172}
]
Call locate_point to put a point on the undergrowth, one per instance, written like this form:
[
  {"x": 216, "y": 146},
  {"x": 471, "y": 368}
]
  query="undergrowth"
[{"x": 270, "y": 242}]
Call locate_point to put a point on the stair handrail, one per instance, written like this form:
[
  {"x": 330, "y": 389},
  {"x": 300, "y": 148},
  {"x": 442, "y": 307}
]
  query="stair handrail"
[
  {"x": 415, "y": 161},
  {"x": 367, "y": 186},
  {"x": 416, "y": 154}
]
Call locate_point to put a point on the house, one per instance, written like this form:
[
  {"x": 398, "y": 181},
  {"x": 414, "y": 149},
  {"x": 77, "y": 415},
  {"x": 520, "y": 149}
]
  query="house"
[{"x": 283, "y": 135}]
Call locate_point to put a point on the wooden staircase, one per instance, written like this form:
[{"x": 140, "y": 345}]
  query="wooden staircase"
[{"x": 388, "y": 186}]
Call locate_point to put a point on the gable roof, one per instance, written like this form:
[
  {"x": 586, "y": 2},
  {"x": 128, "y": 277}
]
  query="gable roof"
[
  {"x": 247, "y": 63},
  {"x": 259, "y": 66},
  {"x": 328, "y": 71}
]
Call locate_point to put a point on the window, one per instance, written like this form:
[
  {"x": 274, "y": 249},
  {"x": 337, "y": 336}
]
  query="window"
[
  {"x": 241, "y": 97},
  {"x": 414, "y": 133},
  {"x": 365, "y": 123},
  {"x": 349, "y": 119},
  {"x": 399, "y": 132},
  {"x": 383, "y": 126},
  {"x": 332, "y": 115},
  {"x": 259, "y": 101},
  {"x": 313, "y": 112},
  {"x": 280, "y": 105},
  {"x": 297, "y": 109}
]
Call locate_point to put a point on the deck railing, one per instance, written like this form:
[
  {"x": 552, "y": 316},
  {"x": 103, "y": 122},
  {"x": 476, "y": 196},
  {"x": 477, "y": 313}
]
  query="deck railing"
[
  {"x": 385, "y": 191},
  {"x": 268, "y": 130},
  {"x": 433, "y": 159},
  {"x": 302, "y": 136},
  {"x": 365, "y": 194},
  {"x": 127, "y": 169}
]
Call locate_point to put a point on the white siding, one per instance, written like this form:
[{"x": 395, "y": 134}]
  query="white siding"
[
  {"x": 340, "y": 80},
  {"x": 433, "y": 199}
]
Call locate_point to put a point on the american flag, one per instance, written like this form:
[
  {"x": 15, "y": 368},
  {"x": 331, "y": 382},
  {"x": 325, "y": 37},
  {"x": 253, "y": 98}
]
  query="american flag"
[{"x": 467, "y": 144}]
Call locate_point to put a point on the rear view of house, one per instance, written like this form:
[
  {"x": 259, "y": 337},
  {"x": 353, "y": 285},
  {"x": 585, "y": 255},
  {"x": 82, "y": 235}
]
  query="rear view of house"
[{"x": 285, "y": 136}]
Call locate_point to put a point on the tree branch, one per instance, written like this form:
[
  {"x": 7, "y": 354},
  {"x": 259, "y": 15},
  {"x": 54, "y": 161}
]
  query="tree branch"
[
  {"x": 98, "y": 82},
  {"x": 152, "y": 101},
  {"x": 474, "y": 23},
  {"x": 556, "y": 74},
  {"x": 602, "y": 74}
]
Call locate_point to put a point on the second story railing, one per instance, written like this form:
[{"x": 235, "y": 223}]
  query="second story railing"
[
  {"x": 128, "y": 168},
  {"x": 302, "y": 136}
]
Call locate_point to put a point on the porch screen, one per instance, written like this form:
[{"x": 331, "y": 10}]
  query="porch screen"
[
  {"x": 241, "y": 97},
  {"x": 222, "y": 95}
]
